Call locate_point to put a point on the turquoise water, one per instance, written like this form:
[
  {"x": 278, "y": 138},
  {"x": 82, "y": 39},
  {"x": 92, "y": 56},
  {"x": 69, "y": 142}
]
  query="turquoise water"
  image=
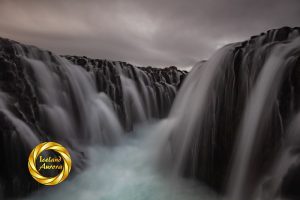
[{"x": 137, "y": 169}]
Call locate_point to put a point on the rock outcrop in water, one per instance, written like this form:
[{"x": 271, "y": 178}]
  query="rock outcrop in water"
[
  {"x": 43, "y": 97},
  {"x": 209, "y": 111}
]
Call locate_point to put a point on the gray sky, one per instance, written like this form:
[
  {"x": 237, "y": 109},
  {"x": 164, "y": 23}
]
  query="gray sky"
[{"x": 143, "y": 32}]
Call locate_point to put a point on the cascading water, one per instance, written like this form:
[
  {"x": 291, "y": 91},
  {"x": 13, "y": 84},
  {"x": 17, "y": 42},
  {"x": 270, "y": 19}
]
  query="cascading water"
[
  {"x": 229, "y": 127},
  {"x": 287, "y": 159},
  {"x": 44, "y": 97},
  {"x": 199, "y": 88},
  {"x": 259, "y": 108},
  {"x": 66, "y": 90},
  {"x": 69, "y": 110},
  {"x": 245, "y": 94},
  {"x": 138, "y": 93},
  {"x": 27, "y": 135}
]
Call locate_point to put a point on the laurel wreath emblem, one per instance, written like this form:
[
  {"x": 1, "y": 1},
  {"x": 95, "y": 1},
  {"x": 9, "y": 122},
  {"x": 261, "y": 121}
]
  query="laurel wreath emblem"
[{"x": 66, "y": 166}]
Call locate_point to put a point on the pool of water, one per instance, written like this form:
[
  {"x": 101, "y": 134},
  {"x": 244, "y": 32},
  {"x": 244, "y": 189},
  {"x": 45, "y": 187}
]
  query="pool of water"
[{"x": 136, "y": 169}]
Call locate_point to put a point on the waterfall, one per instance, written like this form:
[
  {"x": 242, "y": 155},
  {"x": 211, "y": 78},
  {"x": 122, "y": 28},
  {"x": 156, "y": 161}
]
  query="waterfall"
[
  {"x": 45, "y": 97},
  {"x": 233, "y": 125},
  {"x": 229, "y": 118},
  {"x": 259, "y": 108},
  {"x": 186, "y": 113},
  {"x": 139, "y": 94},
  {"x": 193, "y": 114},
  {"x": 68, "y": 96},
  {"x": 64, "y": 107}
]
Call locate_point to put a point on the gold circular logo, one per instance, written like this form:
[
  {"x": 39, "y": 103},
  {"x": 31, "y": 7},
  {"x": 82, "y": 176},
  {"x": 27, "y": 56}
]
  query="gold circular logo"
[{"x": 66, "y": 167}]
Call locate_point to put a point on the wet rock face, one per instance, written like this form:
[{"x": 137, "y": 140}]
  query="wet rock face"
[
  {"x": 22, "y": 101},
  {"x": 13, "y": 81},
  {"x": 158, "y": 83},
  {"x": 210, "y": 154}
]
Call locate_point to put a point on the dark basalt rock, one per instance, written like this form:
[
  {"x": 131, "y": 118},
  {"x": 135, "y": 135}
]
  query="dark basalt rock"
[
  {"x": 291, "y": 182},
  {"x": 14, "y": 176},
  {"x": 14, "y": 82},
  {"x": 108, "y": 80},
  {"x": 223, "y": 118}
]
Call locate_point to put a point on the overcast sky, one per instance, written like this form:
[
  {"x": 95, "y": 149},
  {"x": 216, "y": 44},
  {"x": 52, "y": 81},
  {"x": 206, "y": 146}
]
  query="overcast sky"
[{"x": 144, "y": 32}]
